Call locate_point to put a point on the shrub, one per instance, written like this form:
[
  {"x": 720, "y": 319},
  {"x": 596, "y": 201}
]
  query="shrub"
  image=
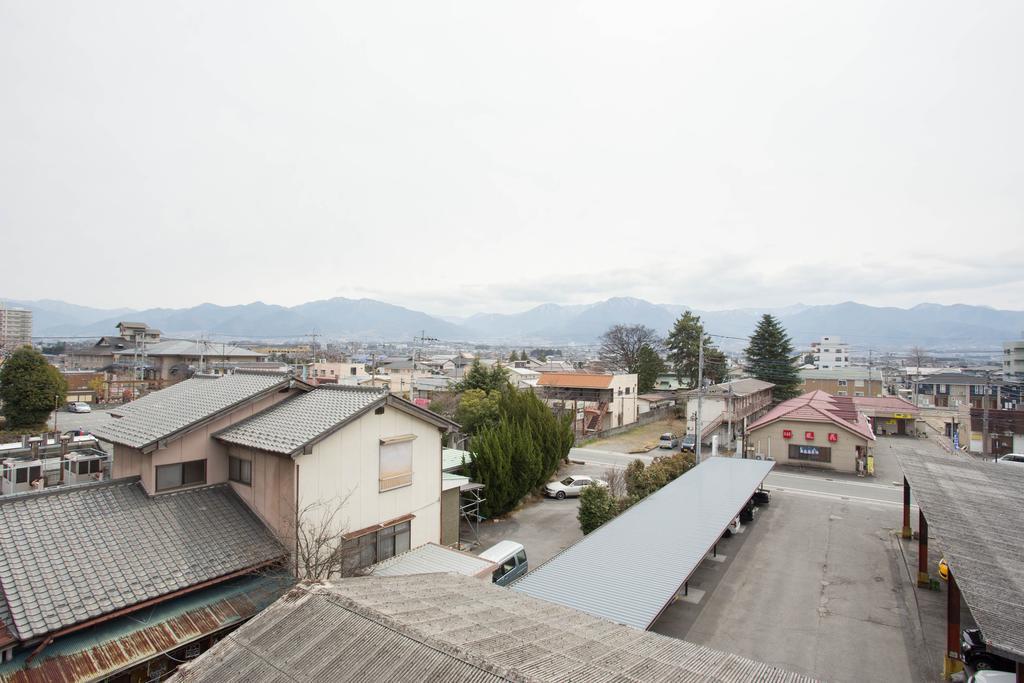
[{"x": 597, "y": 506}]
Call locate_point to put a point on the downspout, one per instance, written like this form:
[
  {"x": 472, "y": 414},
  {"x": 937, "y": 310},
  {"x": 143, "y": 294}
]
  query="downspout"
[{"x": 295, "y": 548}]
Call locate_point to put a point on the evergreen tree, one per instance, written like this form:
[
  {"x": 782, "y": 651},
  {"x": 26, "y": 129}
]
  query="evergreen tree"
[
  {"x": 479, "y": 376},
  {"x": 523, "y": 356},
  {"x": 769, "y": 358},
  {"x": 513, "y": 357},
  {"x": 683, "y": 346},
  {"x": 30, "y": 388},
  {"x": 648, "y": 366},
  {"x": 597, "y": 506}
]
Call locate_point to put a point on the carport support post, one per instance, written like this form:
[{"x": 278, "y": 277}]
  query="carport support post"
[
  {"x": 951, "y": 663},
  {"x": 907, "y": 533},
  {"x": 922, "y": 551}
]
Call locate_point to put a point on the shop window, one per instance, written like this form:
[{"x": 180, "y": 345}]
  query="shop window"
[{"x": 810, "y": 453}]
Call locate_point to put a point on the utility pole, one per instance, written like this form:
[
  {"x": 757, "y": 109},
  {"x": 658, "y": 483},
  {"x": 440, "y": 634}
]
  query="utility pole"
[{"x": 700, "y": 397}]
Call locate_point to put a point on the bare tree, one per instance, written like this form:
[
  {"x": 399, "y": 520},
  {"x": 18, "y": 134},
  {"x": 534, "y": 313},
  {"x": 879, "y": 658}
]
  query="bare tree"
[
  {"x": 616, "y": 482},
  {"x": 919, "y": 356},
  {"x": 316, "y": 538},
  {"x": 621, "y": 344}
]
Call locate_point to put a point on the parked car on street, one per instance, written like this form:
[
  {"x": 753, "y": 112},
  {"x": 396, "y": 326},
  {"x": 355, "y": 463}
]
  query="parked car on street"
[
  {"x": 77, "y": 431},
  {"x": 79, "y": 407},
  {"x": 975, "y": 653},
  {"x": 572, "y": 485},
  {"x": 668, "y": 440},
  {"x": 511, "y": 560},
  {"x": 1012, "y": 458},
  {"x": 689, "y": 443}
]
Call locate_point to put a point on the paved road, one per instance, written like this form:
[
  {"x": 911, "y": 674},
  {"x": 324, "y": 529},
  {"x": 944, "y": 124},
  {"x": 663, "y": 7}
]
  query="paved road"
[
  {"x": 823, "y": 486},
  {"x": 592, "y": 456}
]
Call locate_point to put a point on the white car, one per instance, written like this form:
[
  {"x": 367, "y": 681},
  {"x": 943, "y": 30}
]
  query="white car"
[
  {"x": 572, "y": 485},
  {"x": 1012, "y": 458},
  {"x": 79, "y": 407}
]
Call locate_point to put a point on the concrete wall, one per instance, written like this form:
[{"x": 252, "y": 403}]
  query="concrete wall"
[
  {"x": 624, "y": 404},
  {"x": 345, "y": 467},
  {"x": 450, "y": 516},
  {"x": 844, "y": 452}
]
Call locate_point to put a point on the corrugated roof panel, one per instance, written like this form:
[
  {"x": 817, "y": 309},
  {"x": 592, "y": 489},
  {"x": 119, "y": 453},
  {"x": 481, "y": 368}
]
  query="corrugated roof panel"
[
  {"x": 430, "y": 558},
  {"x": 974, "y": 515},
  {"x": 630, "y": 568}
]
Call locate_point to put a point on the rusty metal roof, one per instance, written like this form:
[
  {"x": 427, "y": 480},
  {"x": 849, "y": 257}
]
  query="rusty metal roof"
[{"x": 125, "y": 642}]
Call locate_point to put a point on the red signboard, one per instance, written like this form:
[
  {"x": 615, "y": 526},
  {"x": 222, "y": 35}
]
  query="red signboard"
[
  {"x": 833, "y": 437},
  {"x": 787, "y": 433},
  {"x": 809, "y": 436}
]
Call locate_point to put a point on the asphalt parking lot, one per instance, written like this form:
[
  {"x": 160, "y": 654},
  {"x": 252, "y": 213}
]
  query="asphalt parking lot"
[
  {"x": 544, "y": 526},
  {"x": 86, "y": 421},
  {"x": 816, "y": 586}
]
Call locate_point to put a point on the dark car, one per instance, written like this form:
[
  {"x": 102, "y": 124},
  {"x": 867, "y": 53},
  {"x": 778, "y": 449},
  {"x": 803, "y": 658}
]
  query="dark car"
[
  {"x": 688, "y": 443},
  {"x": 976, "y": 655}
]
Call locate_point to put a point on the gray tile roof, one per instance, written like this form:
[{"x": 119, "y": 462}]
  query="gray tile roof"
[
  {"x": 453, "y": 628},
  {"x": 162, "y": 413},
  {"x": 291, "y": 424},
  {"x": 75, "y": 553},
  {"x": 182, "y": 347}
]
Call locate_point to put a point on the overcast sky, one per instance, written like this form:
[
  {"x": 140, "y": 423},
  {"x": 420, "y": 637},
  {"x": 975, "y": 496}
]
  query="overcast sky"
[{"x": 467, "y": 156}]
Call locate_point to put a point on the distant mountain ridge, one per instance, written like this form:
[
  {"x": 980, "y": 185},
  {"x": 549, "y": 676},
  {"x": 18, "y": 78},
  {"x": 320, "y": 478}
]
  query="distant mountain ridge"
[{"x": 934, "y": 326}]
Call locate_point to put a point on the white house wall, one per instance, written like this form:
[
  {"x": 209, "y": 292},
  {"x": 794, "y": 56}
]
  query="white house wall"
[{"x": 346, "y": 466}]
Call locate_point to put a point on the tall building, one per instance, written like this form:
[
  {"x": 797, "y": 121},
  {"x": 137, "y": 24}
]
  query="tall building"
[
  {"x": 830, "y": 352},
  {"x": 1013, "y": 360},
  {"x": 15, "y": 328}
]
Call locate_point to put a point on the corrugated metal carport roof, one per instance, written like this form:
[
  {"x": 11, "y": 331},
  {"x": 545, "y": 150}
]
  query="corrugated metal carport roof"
[
  {"x": 975, "y": 516},
  {"x": 629, "y": 569}
]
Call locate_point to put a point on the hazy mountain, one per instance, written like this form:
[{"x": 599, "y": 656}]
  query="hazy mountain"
[{"x": 883, "y": 328}]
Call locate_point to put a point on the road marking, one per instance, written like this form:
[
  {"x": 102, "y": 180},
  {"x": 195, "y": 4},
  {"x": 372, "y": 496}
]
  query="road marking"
[
  {"x": 833, "y": 481},
  {"x": 840, "y": 497}
]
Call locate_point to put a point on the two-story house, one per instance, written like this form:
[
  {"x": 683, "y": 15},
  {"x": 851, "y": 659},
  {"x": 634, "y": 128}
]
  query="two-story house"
[{"x": 366, "y": 456}]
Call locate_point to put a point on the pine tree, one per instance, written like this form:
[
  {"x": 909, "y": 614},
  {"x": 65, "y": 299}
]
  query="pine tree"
[
  {"x": 769, "y": 358},
  {"x": 683, "y": 346},
  {"x": 648, "y": 366}
]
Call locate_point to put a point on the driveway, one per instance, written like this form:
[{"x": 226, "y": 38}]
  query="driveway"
[{"x": 545, "y": 526}]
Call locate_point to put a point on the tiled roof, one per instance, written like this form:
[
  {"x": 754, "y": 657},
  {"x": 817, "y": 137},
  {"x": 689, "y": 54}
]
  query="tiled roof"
[
  {"x": 574, "y": 380},
  {"x": 819, "y": 406},
  {"x": 447, "y": 627},
  {"x": 847, "y": 373},
  {"x": 162, "y": 413},
  {"x": 874, "y": 404},
  {"x": 182, "y": 347},
  {"x": 291, "y": 424},
  {"x": 75, "y": 553}
]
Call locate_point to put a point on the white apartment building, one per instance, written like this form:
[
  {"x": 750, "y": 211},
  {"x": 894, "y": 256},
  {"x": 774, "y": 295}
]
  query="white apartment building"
[
  {"x": 15, "y": 328},
  {"x": 830, "y": 352},
  {"x": 1013, "y": 360}
]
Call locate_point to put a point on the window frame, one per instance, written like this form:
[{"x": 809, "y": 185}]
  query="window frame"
[
  {"x": 181, "y": 477},
  {"x": 236, "y": 467},
  {"x": 400, "y": 478}
]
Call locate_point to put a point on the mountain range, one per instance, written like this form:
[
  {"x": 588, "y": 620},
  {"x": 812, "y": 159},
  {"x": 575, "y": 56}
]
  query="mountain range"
[{"x": 933, "y": 326}]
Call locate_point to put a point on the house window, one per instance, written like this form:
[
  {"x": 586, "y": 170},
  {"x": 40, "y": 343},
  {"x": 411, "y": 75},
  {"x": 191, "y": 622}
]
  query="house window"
[
  {"x": 377, "y": 546},
  {"x": 240, "y": 470},
  {"x": 841, "y": 382},
  {"x": 396, "y": 462},
  {"x": 352, "y": 370},
  {"x": 627, "y": 390},
  {"x": 87, "y": 467},
  {"x": 24, "y": 475},
  {"x": 840, "y": 393},
  {"x": 180, "y": 474},
  {"x": 858, "y": 393}
]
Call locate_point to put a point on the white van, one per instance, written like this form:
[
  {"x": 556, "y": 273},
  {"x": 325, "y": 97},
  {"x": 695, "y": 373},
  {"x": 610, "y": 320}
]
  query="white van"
[{"x": 511, "y": 560}]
